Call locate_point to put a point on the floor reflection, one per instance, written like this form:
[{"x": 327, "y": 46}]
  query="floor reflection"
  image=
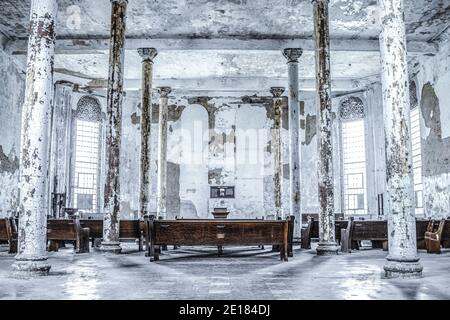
[{"x": 83, "y": 283}]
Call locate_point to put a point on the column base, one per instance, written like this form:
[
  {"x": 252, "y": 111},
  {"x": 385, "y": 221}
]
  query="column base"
[
  {"x": 111, "y": 247},
  {"x": 31, "y": 265},
  {"x": 327, "y": 249},
  {"x": 403, "y": 269}
]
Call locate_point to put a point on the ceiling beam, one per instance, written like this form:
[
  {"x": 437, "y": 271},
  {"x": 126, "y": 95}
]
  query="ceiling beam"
[
  {"x": 86, "y": 46},
  {"x": 228, "y": 84}
]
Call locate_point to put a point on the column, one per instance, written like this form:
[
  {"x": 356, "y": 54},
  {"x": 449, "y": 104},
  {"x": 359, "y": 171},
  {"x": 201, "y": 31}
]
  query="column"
[
  {"x": 402, "y": 260},
  {"x": 32, "y": 253},
  {"x": 147, "y": 54},
  {"x": 327, "y": 243},
  {"x": 114, "y": 127},
  {"x": 162, "y": 152},
  {"x": 292, "y": 55},
  {"x": 277, "y": 149}
]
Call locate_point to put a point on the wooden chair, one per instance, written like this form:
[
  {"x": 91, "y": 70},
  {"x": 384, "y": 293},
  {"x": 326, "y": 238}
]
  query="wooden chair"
[{"x": 433, "y": 237}]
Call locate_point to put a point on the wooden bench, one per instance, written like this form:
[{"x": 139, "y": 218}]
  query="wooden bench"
[
  {"x": 128, "y": 229},
  {"x": 208, "y": 232},
  {"x": 8, "y": 233},
  {"x": 59, "y": 230}
]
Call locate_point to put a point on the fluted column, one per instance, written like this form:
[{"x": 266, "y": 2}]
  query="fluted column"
[
  {"x": 162, "y": 152},
  {"x": 114, "y": 128},
  {"x": 327, "y": 241},
  {"x": 32, "y": 255},
  {"x": 147, "y": 54},
  {"x": 402, "y": 260},
  {"x": 292, "y": 55},
  {"x": 277, "y": 149}
]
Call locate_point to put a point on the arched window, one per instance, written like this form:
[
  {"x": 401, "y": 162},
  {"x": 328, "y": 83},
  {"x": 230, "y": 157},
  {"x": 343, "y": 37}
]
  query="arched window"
[
  {"x": 351, "y": 113},
  {"x": 86, "y": 155},
  {"x": 416, "y": 147}
]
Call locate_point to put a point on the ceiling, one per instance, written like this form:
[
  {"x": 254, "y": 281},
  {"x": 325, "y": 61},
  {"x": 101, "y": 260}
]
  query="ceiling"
[{"x": 216, "y": 21}]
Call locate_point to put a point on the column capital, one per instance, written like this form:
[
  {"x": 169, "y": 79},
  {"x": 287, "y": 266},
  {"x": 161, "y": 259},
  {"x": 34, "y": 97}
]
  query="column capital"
[
  {"x": 120, "y": 1},
  {"x": 147, "y": 54},
  {"x": 277, "y": 91},
  {"x": 292, "y": 54},
  {"x": 164, "y": 91}
]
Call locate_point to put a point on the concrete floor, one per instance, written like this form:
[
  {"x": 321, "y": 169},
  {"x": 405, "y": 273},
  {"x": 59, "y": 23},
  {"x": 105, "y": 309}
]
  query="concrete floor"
[{"x": 242, "y": 273}]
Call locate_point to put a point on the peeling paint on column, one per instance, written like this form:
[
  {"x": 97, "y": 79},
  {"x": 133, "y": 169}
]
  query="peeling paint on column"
[
  {"x": 292, "y": 56},
  {"x": 277, "y": 150},
  {"x": 402, "y": 260},
  {"x": 162, "y": 152},
  {"x": 35, "y": 140},
  {"x": 147, "y": 54},
  {"x": 114, "y": 126},
  {"x": 327, "y": 244}
]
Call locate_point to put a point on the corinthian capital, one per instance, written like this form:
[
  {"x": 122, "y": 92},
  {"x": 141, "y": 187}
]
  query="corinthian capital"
[
  {"x": 164, "y": 91},
  {"x": 277, "y": 91},
  {"x": 148, "y": 54},
  {"x": 292, "y": 54}
]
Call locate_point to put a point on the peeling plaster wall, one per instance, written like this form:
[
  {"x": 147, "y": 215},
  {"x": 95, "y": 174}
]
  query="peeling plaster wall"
[
  {"x": 199, "y": 158},
  {"x": 309, "y": 160},
  {"x": 12, "y": 89},
  {"x": 432, "y": 76}
]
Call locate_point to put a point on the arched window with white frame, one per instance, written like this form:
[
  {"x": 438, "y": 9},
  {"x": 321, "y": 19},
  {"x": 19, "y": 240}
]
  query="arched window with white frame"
[
  {"x": 85, "y": 169},
  {"x": 354, "y": 182}
]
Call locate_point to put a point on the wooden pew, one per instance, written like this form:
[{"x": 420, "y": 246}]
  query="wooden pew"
[
  {"x": 373, "y": 230},
  {"x": 216, "y": 233},
  {"x": 8, "y": 233},
  {"x": 59, "y": 230},
  {"x": 312, "y": 231},
  {"x": 132, "y": 229},
  {"x": 128, "y": 229}
]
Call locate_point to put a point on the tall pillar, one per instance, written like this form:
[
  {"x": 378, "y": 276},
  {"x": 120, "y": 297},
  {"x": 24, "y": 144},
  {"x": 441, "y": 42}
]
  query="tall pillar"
[
  {"x": 147, "y": 54},
  {"x": 32, "y": 254},
  {"x": 327, "y": 243},
  {"x": 114, "y": 128},
  {"x": 292, "y": 55},
  {"x": 162, "y": 152},
  {"x": 402, "y": 260},
  {"x": 277, "y": 149}
]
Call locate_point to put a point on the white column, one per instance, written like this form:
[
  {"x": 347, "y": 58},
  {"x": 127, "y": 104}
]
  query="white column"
[
  {"x": 277, "y": 149},
  {"x": 32, "y": 254},
  {"x": 147, "y": 54},
  {"x": 110, "y": 241},
  {"x": 327, "y": 243},
  {"x": 162, "y": 152},
  {"x": 292, "y": 55},
  {"x": 402, "y": 260}
]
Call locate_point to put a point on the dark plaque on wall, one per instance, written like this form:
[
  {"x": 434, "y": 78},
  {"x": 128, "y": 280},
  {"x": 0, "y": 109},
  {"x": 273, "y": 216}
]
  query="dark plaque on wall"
[{"x": 222, "y": 192}]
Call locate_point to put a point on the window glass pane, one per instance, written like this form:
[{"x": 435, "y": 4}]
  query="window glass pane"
[
  {"x": 354, "y": 156},
  {"x": 417, "y": 159},
  {"x": 85, "y": 171}
]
